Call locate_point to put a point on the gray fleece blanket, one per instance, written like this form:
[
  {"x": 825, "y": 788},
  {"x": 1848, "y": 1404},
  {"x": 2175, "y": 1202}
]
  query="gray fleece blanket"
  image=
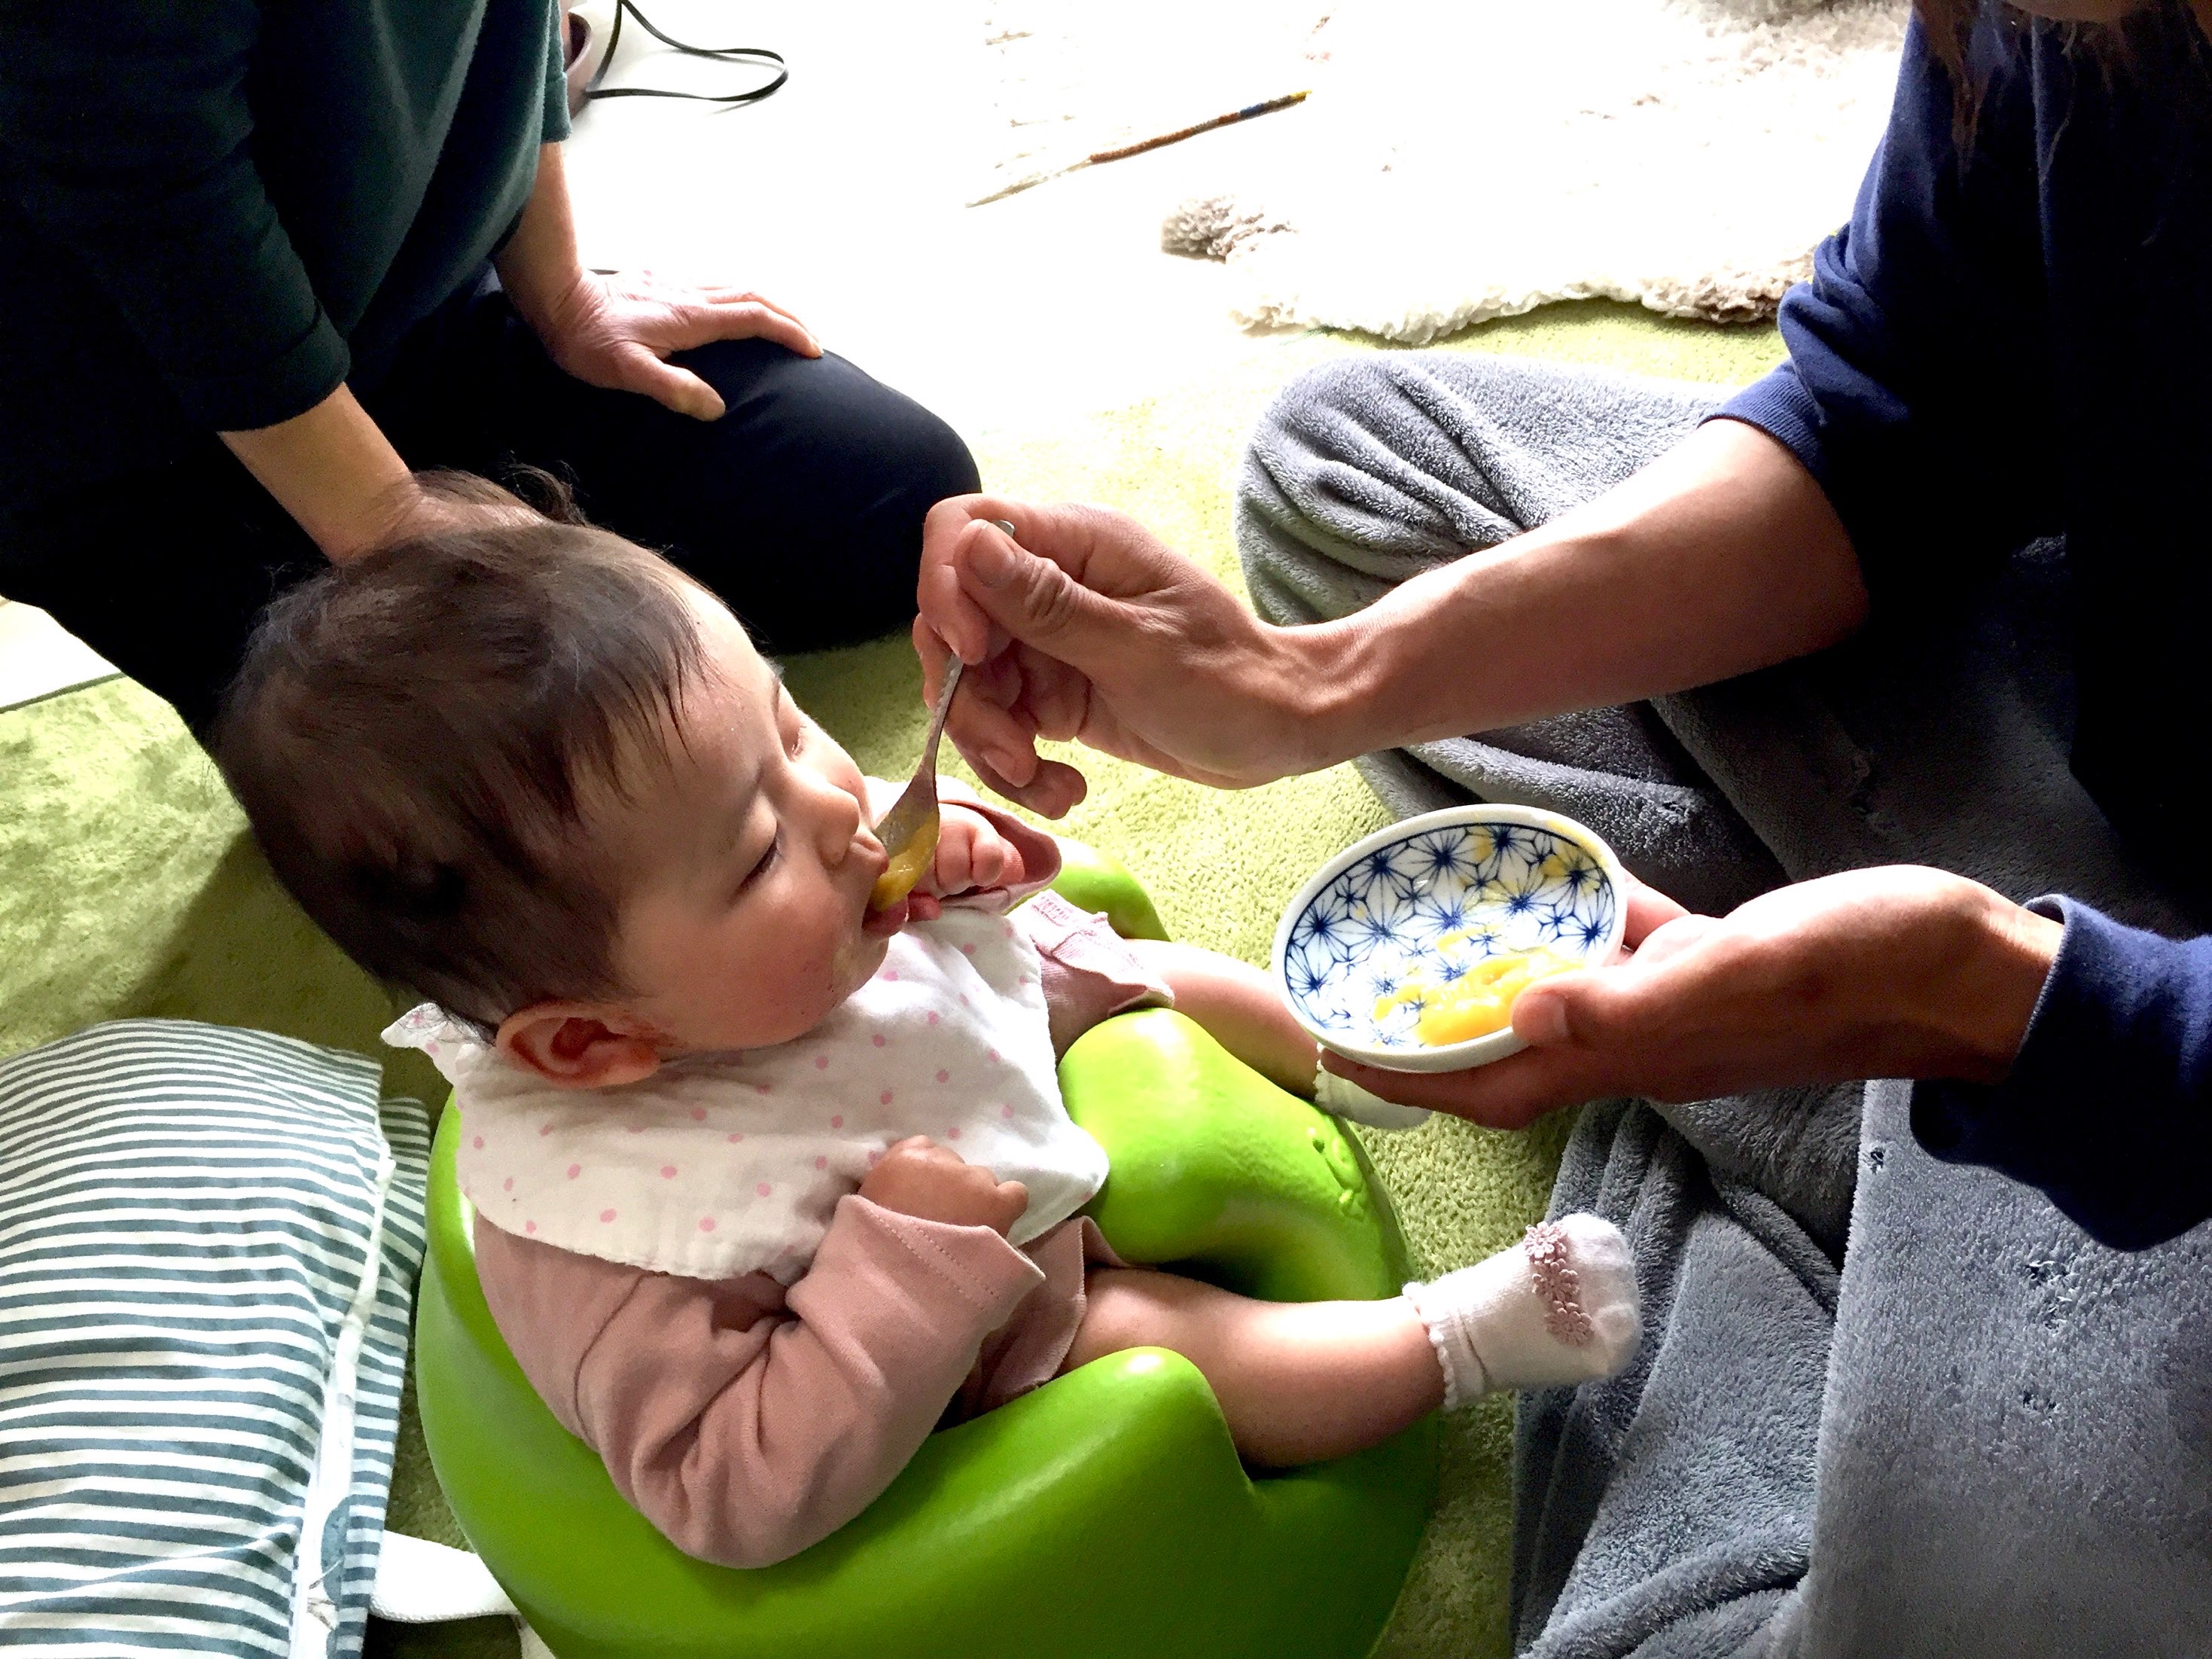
[{"x": 1885, "y": 1405}]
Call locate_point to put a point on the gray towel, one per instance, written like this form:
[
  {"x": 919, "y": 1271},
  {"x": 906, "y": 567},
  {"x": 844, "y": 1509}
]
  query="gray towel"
[{"x": 1973, "y": 1430}]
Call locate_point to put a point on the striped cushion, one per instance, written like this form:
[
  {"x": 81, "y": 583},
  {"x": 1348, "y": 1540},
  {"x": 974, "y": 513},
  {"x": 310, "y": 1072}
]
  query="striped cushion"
[{"x": 209, "y": 1242}]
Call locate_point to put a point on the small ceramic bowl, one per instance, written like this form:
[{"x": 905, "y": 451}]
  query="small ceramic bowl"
[{"x": 1427, "y": 898}]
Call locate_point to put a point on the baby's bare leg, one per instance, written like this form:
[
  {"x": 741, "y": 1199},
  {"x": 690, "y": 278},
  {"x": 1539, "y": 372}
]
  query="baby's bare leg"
[
  {"x": 1303, "y": 1381},
  {"x": 1300, "y": 1382},
  {"x": 1240, "y": 1006}
]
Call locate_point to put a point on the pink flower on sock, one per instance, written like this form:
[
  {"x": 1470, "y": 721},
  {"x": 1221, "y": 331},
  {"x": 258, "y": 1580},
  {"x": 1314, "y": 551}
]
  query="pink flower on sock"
[{"x": 1558, "y": 1287}]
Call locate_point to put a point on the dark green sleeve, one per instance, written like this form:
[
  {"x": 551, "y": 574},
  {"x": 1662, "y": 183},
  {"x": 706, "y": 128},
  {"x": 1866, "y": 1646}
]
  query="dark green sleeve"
[
  {"x": 128, "y": 140},
  {"x": 557, "y": 82}
]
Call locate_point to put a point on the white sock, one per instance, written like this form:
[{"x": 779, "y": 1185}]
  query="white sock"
[{"x": 1558, "y": 1306}]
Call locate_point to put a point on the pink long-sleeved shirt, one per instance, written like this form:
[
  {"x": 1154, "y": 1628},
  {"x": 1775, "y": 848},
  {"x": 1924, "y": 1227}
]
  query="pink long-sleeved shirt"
[{"x": 747, "y": 1422}]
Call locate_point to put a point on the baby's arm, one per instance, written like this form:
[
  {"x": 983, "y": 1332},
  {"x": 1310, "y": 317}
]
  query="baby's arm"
[
  {"x": 746, "y": 1431},
  {"x": 1240, "y": 1006}
]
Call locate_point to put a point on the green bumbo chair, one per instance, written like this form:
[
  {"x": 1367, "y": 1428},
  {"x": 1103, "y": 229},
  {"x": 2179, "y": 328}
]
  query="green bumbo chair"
[{"x": 1105, "y": 1514}]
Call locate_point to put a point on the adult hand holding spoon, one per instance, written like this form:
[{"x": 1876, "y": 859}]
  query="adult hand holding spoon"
[{"x": 909, "y": 830}]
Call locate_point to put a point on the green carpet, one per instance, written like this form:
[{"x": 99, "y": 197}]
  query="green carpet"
[{"x": 127, "y": 886}]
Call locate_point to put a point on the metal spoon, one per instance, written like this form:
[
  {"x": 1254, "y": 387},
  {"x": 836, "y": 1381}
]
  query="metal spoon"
[{"x": 909, "y": 830}]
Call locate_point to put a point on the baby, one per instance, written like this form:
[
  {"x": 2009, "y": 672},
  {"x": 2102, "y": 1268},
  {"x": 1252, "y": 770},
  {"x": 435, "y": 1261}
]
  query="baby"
[{"x": 769, "y": 1185}]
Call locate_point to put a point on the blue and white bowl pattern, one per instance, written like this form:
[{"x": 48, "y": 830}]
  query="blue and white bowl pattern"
[{"x": 1430, "y": 900}]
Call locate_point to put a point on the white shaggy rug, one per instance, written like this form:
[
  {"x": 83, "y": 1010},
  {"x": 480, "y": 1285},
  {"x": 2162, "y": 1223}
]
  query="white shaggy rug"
[
  {"x": 1067, "y": 77},
  {"x": 1470, "y": 158},
  {"x": 1461, "y": 160}
]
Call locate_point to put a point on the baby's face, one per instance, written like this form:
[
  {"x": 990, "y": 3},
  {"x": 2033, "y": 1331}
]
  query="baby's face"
[{"x": 748, "y": 861}]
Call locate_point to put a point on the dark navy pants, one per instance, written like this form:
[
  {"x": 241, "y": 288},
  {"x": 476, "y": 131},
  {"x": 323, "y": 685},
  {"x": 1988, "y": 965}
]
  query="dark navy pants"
[{"x": 802, "y": 507}]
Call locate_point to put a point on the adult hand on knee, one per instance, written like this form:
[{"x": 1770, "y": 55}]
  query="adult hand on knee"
[
  {"x": 1900, "y": 972},
  {"x": 618, "y": 332},
  {"x": 1086, "y": 626}
]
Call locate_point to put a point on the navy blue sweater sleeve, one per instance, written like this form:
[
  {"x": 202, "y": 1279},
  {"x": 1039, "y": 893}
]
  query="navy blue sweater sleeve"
[
  {"x": 128, "y": 125},
  {"x": 2109, "y": 1107},
  {"x": 1915, "y": 346}
]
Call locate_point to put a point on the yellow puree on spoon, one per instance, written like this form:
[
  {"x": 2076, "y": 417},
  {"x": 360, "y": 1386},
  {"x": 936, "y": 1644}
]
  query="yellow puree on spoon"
[
  {"x": 1479, "y": 1001},
  {"x": 907, "y": 866}
]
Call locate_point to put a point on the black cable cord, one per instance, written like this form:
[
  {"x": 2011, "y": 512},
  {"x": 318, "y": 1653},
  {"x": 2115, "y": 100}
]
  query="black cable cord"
[{"x": 755, "y": 57}]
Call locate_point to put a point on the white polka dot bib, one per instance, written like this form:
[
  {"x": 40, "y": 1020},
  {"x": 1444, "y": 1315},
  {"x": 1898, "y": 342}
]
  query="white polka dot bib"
[{"x": 723, "y": 1164}]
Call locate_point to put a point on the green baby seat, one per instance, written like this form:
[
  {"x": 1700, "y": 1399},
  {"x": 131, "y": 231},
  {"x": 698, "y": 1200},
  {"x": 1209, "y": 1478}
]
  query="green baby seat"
[{"x": 1105, "y": 1514}]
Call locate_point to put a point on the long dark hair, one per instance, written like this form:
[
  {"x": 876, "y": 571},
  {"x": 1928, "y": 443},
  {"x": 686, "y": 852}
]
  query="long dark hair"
[{"x": 2163, "y": 36}]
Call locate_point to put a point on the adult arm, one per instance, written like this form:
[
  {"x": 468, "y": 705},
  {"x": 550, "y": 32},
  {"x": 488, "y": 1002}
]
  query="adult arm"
[
  {"x": 333, "y": 470},
  {"x": 2108, "y": 1108},
  {"x": 130, "y": 140},
  {"x": 1722, "y": 557},
  {"x": 745, "y": 1426},
  {"x": 2053, "y": 1044}
]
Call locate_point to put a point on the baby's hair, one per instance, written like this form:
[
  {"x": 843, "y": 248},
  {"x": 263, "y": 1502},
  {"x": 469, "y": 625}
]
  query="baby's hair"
[{"x": 415, "y": 736}]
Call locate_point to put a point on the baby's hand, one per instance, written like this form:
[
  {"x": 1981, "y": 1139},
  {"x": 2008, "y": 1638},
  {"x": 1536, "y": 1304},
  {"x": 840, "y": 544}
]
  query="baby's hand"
[
  {"x": 918, "y": 1177},
  {"x": 970, "y": 855}
]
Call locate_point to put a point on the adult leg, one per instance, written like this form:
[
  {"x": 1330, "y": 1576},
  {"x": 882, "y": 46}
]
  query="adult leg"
[
  {"x": 1373, "y": 470},
  {"x": 1668, "y": 1511},
  {"x": 163, "y": 572},
  {"x": 802, "y": 505}
]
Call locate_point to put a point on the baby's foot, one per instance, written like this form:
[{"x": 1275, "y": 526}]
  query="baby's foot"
[{"x": 1558, "y": 1306}]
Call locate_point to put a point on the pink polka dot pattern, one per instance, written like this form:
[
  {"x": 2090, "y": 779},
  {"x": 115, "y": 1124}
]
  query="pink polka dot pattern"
[
  {"x": 606, "y": 1215},
  {"x": 821, "y": 1162},
  {"x": 698, "y": 1114},
  {"x": 967, "y": 950},
  {"x": 943, "y": 1076},
  {"x": 994, "y": 1056},
  {"x": 545, "y": 1128},
  {"x": 884, "y": 1099},
  {"x": 879, "y": 1039},
  {"x": 529, "y": 1226},
  {"x": 763, "y": 1088},
  {"x": 821, "y": 1062},
  {"x": 1007, "y": 1113},
  {"x": 838, "y": 1121},
  {"x": 952, "y": 1133},
  {"x": 934, "y": 1017},
  {"x": 735, "y": 1136},
  {"x": 668, "y": 1172},
  {"x": 891, "y": 974},
  {"x": 706, "y": 1224},
  {"x": 478, "y": 1142},
  {"x": 507, "y": 1185},
  {"x": 575, "y": 1169},
  {"x": 763, "y": 1189}
]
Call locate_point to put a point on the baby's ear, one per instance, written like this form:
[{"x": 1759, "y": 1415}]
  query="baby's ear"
[{"x": 578, "y": 1045}]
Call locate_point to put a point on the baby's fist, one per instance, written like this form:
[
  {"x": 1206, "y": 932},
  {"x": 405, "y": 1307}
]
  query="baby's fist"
[
  {"x": 918, "y": 1177},
  {"x": 972, "y": 856}
]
